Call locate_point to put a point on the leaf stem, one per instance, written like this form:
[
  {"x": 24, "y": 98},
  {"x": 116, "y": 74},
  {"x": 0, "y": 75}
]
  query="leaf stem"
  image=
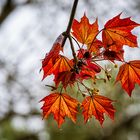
[
  {"x": 70, "y": 22},
  {"x": 78, "y": 45},
  {"x": 95, "y": 38},
  {"x": 76, "y": 42},
  {"x": 73, "y": 51},
  {"x": 87, "y": 88}
]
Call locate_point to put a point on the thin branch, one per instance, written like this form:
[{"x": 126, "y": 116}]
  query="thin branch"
[
  {"x": 78, "y": 45},
  {"x": 6, "y": 10},
  {"x": 76, "y": 42},
  {"x": 87, "y": 88},
  {"x": 9, "y": 7},
  {"x": 70, "y": 21}
]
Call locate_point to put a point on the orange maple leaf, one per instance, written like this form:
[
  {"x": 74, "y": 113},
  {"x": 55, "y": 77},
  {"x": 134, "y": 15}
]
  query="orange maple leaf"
[
  {"x": 60, "y": 64},
  {"x": 118, "y": 32},
  {"x": 60, "y": 105},
  {"x": 129, "y": 74},
  {"x": 97, "y": 105},
  {"x": 83, "y": 31}
]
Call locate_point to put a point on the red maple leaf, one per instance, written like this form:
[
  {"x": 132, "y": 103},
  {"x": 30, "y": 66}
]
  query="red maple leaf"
[
  {"x": 83, "y": 53},
  {"x": 66, "y": 77},
  {"x": 88, "y": 70},
  {"x": 60, "y": 105},
  {"x": 97, "y": 105},
  {"x": 118, "y": 32},
  {"x": 83, "y": 31},
  {"x": 113, "y": 55},
  {"x": 129, "y": 74}
]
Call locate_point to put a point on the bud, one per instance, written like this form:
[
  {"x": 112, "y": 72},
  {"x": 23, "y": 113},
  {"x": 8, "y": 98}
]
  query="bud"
[{"x": 115, "y": 66}]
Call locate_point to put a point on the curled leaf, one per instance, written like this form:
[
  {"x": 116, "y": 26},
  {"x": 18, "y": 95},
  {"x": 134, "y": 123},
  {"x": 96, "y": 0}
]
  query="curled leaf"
[{"x": 51, "y": 57}]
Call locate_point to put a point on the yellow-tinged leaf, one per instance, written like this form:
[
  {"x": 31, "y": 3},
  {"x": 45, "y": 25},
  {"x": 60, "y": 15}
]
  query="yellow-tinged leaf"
[{"x": 83, "y": 31}]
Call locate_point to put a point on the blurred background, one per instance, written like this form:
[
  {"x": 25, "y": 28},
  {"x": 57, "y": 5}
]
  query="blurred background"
[{"x": 28, "y": 29}]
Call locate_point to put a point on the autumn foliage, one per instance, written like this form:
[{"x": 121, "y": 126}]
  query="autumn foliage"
[{"x": 84, "y": 66}]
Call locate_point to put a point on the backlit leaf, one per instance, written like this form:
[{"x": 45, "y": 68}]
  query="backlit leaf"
[
  {"x": 83, "y": 31},
  {"x": 60, "y": 105},
  {"x": 129, "y": 75},
  {"x": 97, "y": 105},
  {"x": 56, "y": 66},
  {"x": 118, "y": 32}
]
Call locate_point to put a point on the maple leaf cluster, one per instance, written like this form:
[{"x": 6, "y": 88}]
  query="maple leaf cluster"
[{"x": 73, "y": 72}]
